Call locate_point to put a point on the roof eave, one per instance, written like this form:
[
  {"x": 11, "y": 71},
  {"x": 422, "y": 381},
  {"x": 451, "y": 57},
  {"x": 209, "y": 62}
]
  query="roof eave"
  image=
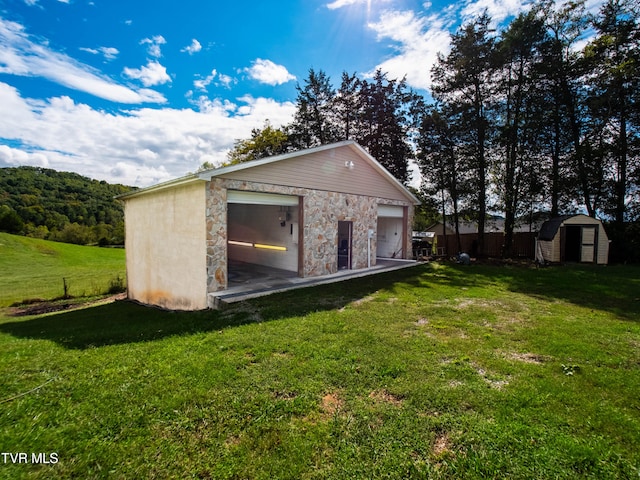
[{"x": 178, "y": 182}]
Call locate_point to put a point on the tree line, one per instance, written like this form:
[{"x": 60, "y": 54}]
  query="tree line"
[
  {"x": 530, "y": 118},
  {"x": 379, "y": 113},
  {"x": 60, "y": 206}
]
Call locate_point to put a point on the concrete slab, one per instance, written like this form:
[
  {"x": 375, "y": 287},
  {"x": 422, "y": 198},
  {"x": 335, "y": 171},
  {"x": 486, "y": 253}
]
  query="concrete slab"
[{"x": 247, "y": 281}]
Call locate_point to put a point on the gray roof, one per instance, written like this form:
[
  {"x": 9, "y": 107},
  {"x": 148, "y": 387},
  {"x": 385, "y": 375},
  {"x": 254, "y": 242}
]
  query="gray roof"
[{"x": 550, "y": 227}]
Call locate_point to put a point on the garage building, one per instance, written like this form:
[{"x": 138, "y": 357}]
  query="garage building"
[{"x": 312, "y": 212}]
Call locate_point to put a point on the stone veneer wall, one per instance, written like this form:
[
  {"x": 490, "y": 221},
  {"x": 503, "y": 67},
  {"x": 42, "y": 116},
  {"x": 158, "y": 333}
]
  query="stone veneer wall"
[{"x": 322, "y": 210}]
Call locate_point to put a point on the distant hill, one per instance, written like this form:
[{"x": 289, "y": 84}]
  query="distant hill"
[{"x": 61, "y": 206}]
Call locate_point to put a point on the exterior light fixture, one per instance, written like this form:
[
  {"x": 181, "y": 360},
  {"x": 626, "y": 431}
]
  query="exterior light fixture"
[
  {"x": 270, "y": 247},
  {"x": 241, "y": 244},
  {"x": 349, "y": 164},
  {"x": 257, "y": 245}
]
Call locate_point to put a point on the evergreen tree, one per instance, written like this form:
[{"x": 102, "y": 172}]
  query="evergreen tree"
[
  {"x": 463, "y": 80},
  {"x": 614, "y": 58},
  {"x": 557, "y": 76},
  {"x": 442, "y": 174},
  {"x": 347, "y": 107},
  {"x": 384, "y": 122},
  {"x": 520, "y": 110},
  {"x": 312, "y": 124}
]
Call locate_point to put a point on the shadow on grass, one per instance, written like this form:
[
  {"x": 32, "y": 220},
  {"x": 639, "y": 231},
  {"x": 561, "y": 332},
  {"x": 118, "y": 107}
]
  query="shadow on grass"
[
  {"x": 614, "y": 289},
  {"x": 110, "y": 324},
  {"x": 128, "y": 322}
]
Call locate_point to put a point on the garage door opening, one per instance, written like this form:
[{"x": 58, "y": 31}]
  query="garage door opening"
[
  {"x": 580, "y": 243},
  {"x": 390, "y": 234},
  {"x": 262, "y": 236}
]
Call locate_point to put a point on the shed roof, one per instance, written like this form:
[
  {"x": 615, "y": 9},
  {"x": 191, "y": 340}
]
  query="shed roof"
[{"x": 550, "y": 228}]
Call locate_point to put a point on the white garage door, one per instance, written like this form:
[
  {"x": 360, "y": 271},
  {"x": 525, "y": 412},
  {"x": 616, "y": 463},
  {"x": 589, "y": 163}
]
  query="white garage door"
[
  {"x": 393, "y": 211},
  {"x": 260, "y": 198}
]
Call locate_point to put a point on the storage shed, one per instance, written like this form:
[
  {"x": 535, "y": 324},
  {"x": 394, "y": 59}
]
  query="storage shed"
[
  {"x": 572, "y": 238},
  {"x": 311, "y": 212}
]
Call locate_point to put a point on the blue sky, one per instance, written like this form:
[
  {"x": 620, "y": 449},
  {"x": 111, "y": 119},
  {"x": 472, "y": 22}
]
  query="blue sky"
[{"x": 139, "y": 92}]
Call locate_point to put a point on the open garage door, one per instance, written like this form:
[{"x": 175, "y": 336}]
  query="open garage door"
[
  {"x": 390, "y": 232},
  {"x": 262, "y": 230}
]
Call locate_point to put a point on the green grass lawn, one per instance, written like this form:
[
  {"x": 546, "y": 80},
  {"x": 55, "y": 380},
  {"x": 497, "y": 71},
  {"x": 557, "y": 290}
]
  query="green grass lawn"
[
  {"x": 438, "y": 371},
  {"x": 32, "y": 268}
]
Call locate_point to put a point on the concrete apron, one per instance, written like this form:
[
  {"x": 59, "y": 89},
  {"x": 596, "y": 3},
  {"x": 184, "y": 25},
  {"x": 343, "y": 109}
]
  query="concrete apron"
[{"x": 268, "y": 286}]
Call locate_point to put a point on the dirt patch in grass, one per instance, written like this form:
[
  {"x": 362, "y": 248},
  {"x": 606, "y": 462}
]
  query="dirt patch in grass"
[
  {"x": 40, "y": 307},
  {"x": 285, "y": 395},
  {"x": 362, "y": 300},
  {"x": 490, "y": 379},
  {"x": 529, "y": 358},
  {"x": 331, "y": 404},
  {"x": 233, "y": 441},
  {"x": 442, "y": 445},
  {"x": 384, "y": 396}
]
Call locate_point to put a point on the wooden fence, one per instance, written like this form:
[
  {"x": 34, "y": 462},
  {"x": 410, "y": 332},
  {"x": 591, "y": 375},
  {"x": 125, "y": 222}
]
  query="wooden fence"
[{"x": 523, "y": 244}]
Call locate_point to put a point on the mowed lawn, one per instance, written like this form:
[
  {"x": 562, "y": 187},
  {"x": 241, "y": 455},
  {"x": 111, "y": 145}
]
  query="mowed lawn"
[
  {"x": 34, "y": 269},
  {"x": 437, "y": 371}
]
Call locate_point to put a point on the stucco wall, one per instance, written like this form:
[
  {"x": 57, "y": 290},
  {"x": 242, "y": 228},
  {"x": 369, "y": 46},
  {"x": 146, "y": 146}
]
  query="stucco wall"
[{"x": 166, "y": 247}]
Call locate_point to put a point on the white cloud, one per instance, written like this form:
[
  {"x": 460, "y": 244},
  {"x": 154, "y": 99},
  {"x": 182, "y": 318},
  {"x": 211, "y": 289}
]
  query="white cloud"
[
  {"x": 498, "y": 10},
  {"x": 225, "y": 80},
  {"x": 135, "y": 147},
  {"x": 336, "y": 4},
  {"x": 21, "y": 55},
  {"x": 201, "y": 84},
  {"x": 15, "y": 157},
  {"x": 195, "y": 47},
  {"x": 154, "y": 43},
  {"x": 343, "y": 3},
  {"x": 109, "y": 53},
  {"x": 265, "y": 71},
  {"x": 151, "y": 74},
  {"x": 417, "y": 41}
]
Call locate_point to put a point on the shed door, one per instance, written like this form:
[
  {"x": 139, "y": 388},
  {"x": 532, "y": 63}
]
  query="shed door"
[
  {"x": 571, "y": 244},
  {"x": 588, "y": 251}
]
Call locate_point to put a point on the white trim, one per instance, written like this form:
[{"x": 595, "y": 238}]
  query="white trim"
[
  {"x": 393, "y": 211},
  {"x": 178, "y": 182},
  {"x": 261, "y": 198}
]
